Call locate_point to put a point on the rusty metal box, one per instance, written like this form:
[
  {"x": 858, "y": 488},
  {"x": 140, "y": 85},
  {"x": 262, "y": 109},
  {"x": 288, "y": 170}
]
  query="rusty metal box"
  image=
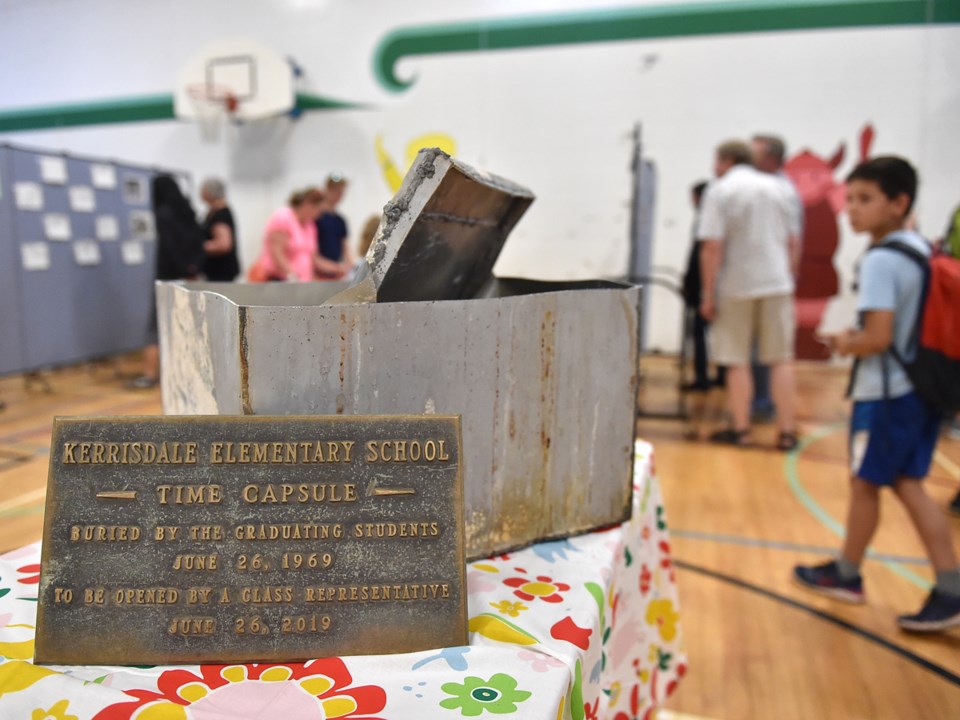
[{"x": 544, "y": 374}]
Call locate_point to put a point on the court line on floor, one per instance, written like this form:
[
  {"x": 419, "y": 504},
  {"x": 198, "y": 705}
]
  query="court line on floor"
[
  {"x": 674, "y": 715},
  {"x": 45, "y": 426},
  {"x": 39, "y": 453},
  {"x": 953, "y": 470},
  {"x": 21, "y": 500},
  {"x": 790, "y": 469},
  {"x": 783, "y": 545},
  {"x": 863, "y": 633},
  {"x": 37, "y": 509}
]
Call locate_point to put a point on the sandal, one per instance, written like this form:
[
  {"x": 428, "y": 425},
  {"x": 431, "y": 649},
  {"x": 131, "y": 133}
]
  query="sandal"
[
  {"x": 739, "y": 438},
  {"x": 787, "y": 441}
]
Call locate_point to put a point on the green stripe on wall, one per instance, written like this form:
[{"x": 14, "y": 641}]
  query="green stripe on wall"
[
  {"x": 124, "y": 110},
  {"x": 138, "y": 109},
  {"x": 316, "y": 102},
  {"x": 651, "y": 21}
]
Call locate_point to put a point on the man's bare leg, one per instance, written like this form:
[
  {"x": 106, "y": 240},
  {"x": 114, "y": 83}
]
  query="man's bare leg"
[
  {"x": 784, "y": 386},
  {"x": 739, "y": 396}
]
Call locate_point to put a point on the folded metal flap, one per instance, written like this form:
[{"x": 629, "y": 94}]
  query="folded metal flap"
[{"x": 442, "y": 233}]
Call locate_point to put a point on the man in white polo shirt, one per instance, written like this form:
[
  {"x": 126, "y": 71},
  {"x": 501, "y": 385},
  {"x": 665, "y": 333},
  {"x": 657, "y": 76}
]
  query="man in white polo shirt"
[{"x": 749, "y": 261}]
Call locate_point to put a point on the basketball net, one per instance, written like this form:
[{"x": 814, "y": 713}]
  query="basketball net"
[{"x": 213, "y": 104}]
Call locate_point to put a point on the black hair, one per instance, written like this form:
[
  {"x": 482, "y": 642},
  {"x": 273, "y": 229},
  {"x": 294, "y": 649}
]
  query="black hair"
[
  {"x": 893, "y": 174},
  {"x": 698, "y": 189},
  {"x": 165, "y": 192}
]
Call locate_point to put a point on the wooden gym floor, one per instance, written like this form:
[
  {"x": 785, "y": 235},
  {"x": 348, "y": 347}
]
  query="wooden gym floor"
[{"x": 758, "y": 646}]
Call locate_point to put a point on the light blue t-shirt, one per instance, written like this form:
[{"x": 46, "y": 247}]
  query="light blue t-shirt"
[{"x": 889, "y": 280}]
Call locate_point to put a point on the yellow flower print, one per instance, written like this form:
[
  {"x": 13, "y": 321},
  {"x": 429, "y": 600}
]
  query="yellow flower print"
[
  {"x": 505, "y": 607},
  {"x": 57, "y": 712},
  {"x": 661, "y": 613}
]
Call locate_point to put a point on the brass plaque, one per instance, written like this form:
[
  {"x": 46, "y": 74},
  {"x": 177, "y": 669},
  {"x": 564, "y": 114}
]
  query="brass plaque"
[{"x": 240, "y": 539}]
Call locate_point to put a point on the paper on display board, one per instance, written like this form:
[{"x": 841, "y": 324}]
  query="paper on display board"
[
  {"x": 28, "y": 195},
  {"x": 35, "y": 256},
  {"x": 86, "y": 252},
  {"x": 56, "y": 226},
  {"x": 107, "y": 227},
  {"x": 82, "y": 198},
  {"x": 132, "y": 252},
  {"x": 103, "y": 176},
  {"x": 135, "y": 189},
  {"x": 141, "y": 224},
  {"x": 53, "y": 170}
]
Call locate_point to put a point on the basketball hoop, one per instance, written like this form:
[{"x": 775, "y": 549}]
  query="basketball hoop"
[{"x": 212, "y": 104}]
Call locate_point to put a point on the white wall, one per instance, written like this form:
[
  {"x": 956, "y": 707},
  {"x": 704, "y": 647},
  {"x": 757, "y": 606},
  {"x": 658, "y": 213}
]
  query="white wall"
[{"x": 557, "y": 119}]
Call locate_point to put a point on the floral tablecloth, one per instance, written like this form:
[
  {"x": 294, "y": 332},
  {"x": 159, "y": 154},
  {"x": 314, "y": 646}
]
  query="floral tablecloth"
[{"x": 583, "y": 628}]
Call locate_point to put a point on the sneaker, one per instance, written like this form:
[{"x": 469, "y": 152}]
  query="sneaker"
[
  {"x": 939, "y": 613},
  {"x": 825, "y": 579},
  {"x": 142, "y": 382},
  {"x": 953, "y": 429},
  {"x": 954, "y": 506}
]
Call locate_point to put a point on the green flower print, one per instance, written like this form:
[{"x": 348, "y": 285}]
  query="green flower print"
[{"x": 498, "y": 695}]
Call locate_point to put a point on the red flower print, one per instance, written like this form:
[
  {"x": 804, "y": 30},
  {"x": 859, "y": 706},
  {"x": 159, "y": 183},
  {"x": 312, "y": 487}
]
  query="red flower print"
[
  {"x": 665, "y": 561},
  {"x": 316, "y": 690},
  {"x": 591, "y": 712},
  {"x": 645, "y": 578},
  {"x": 32, "y": 572},
  {"x": 544, "y": 588}
]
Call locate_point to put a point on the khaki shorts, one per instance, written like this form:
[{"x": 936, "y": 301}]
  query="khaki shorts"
[{"x": 769, "y": 322}]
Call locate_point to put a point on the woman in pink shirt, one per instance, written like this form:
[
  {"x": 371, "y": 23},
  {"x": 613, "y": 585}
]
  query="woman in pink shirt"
[{"x": 290, "y": 238}]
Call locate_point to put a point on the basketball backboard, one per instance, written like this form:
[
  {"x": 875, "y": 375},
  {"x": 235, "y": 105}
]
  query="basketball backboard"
[{"x": 234, "y": 78}]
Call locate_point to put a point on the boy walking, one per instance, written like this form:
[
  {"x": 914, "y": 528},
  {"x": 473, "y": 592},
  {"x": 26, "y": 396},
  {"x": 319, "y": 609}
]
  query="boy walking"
[{"x": 892, "y": 431}]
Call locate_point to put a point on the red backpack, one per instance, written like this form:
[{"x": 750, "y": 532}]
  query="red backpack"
[{"x": 935, "y": 340}]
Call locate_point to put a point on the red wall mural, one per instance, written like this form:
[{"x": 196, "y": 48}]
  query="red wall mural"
[{"x": 823, "y": 197}]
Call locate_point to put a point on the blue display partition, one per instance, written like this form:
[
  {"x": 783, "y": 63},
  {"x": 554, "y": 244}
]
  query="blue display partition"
[{"x": 77, "y": 249}]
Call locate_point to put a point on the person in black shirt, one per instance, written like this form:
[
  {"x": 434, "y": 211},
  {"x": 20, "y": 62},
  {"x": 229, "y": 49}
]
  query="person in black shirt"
[
  {"x": 179, "y": 249},
  {"x": 335, "y": 260},
  {"x": 221, "y": 263},
  {"x": 691, "y": 297}
]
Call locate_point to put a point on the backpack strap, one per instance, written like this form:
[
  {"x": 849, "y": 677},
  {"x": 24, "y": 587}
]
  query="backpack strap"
[
  {"x": 923, "y": 262},
  {"x": 919, "y": 259}
]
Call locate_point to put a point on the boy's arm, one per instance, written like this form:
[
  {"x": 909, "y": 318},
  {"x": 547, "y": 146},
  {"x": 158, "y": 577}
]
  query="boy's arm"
[{"x": 875, "y": 337}]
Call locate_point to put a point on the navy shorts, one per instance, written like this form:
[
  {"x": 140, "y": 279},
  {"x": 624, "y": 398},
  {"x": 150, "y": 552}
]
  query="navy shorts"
[{"x": 890, "y": 439}]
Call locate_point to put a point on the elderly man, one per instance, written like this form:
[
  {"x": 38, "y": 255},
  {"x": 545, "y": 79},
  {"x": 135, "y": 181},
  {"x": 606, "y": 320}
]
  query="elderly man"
[
  {"x": 769, "y": 153},
  {"x": 749, "y": 261}
]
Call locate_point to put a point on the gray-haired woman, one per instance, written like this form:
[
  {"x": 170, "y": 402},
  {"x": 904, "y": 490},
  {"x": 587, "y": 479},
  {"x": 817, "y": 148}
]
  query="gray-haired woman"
[{"x": 221, "y": 263}]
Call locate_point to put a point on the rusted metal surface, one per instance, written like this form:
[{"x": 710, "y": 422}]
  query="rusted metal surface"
[
  {"x": 441, "y": 234},
  {"x": 544, "y": 374},
  {"x": 545, "y": 382},
  {"x": 238, "y": 539}
]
